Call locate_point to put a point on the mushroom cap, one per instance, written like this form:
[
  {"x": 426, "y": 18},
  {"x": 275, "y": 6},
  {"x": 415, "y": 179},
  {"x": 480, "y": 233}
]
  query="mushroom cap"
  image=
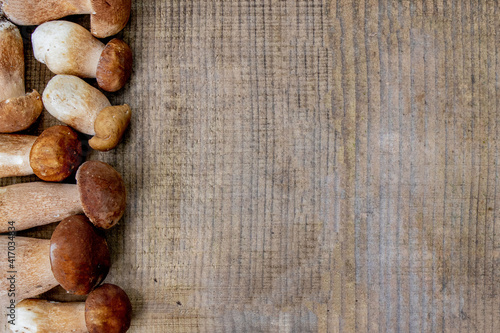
[
  {"x": 19, "y": 113},
  {"x": 79, "y": 255},
  {"x": 115, "y": 65},
  {"x": 108, "y": 17},
  {"x": 11, "y": 61},
  {"x": 67, "y": 48},
  {"x": 74, "y": 102},
  {"x": 109, "y": 127},
  {"x": 108, "y": 310},
  {"x": 56, "y": 153},
  {"x": 102, "y": 193}
]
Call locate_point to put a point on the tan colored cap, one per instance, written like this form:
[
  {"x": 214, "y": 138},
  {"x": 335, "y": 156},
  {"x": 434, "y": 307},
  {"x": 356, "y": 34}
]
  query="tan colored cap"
[
  {"x": 56, "y": 153},
  {"x": 102, "y": 193},
  {"x": 79, "y": 255}
]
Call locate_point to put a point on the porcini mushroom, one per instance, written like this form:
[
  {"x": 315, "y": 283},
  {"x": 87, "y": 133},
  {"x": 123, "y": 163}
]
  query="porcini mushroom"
[
  {"x": 107, "y": 17},
  {"x": 76, "y": 257},
  {"x": 83, "y": 107},
  {"x": 106, "y": 310},
  {"x": 52, "y": 156},
  {"x": 17, "y": 109},
  {"x": 68, "y": 48},
  {"x": 99, "y": 193}
]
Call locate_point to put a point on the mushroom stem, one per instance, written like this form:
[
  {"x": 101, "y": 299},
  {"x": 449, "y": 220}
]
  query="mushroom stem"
[
  {"x": 106, "y": 310},
  {"x": 15, "y": 155},
  {"x": 42, "y": 316},
  {"x": 30, "y": 273},
  {"x": 37, "y": 203},
  {"x": 17, "y": 109},
  {"x": 29, "y": 12},
  {"x": 83, "y": 107},
  {"x": 107, "y": 17},
  {"x": 11, "y": 52},
  {"x": 52, "y": 156},
  {"x": 68, "y": 48},
  {"x": 99, "y": 193}
]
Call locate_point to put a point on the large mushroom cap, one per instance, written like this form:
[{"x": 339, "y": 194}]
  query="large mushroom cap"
[
  {"x": 79, "y": 255},
  {"x": 56, "y": 153},
  {"x": 102, "y": 193},
  {"x": 108, "y": 310},
  {"x": 114, "y": 66},
  {"x": 109, "y": 16}
]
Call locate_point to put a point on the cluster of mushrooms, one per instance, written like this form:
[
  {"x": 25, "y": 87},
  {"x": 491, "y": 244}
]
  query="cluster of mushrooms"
[{"x": 77, "y": 255}]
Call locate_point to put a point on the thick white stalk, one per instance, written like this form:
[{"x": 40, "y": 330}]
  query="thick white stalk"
[
  {"x": 42, "y": 316},
  {"x": 15, "y": 155}
]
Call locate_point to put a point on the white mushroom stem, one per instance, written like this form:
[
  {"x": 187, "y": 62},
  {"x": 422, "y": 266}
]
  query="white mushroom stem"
[
  {"x": 42, "y": 316},
  {"x": 15, "y": 155},
  {"x": 37, "y": 203},
  {"x": 67, "y": 48},
  {"x": 29, "y": 274},
  {"x": 74, "y": 102}
]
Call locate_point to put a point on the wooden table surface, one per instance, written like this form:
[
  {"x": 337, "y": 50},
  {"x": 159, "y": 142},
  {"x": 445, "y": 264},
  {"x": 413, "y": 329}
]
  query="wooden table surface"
[{"x": 308, "y": 166}]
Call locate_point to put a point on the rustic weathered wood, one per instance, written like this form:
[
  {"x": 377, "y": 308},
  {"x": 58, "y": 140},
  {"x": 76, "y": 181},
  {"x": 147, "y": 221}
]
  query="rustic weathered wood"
[{"x": 308, "y": 166}]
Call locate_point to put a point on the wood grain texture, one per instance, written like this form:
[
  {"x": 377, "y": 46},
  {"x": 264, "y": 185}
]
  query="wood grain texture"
[{"x": 308, "y": 166}]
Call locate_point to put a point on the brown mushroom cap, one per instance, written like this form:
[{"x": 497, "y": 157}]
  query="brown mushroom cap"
[
  {"x": 108, "y": 310},
  {"x": 102, "y": 193},
  {"x": 19, "y": 113},
  {"x": 109, "y": 127},
  {"x": 109, "y": 16},
  {"x": 79, "y": 255},
  {"x": 56, "y": 153},
  {"x": 114, "y": 66}
]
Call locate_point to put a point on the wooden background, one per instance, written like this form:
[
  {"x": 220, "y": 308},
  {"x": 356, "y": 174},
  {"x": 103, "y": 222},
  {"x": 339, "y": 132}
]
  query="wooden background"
[{"x": 308, "y": 166}]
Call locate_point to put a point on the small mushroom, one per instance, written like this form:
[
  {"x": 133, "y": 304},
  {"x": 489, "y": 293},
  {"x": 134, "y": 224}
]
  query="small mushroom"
[
  {"x": 106, "y": 310},
  {"x": 68, "y": 48},
  {"x": 79, "y": 105},
  {"x": 78, "y": 264},
  {"x": 107, "y": 17},
  {"x": 52, "y": 156},
  {"x": 99, "y": 193},
  {"x": 17, "y": 109}
]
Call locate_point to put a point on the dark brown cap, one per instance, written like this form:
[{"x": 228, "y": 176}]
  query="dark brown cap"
[
  {"x": 79, "y": 255},
  {"x": 102, "y": 193},
  {"x": 56, "y": 153},
  {"x": 114, "y": 66},
  {"x": 108, "y": 310},
  {"x": 109, "y": 16}
]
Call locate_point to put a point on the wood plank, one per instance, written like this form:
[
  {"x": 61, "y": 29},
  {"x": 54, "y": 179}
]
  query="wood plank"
[{"x": 307, "y": 166}]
